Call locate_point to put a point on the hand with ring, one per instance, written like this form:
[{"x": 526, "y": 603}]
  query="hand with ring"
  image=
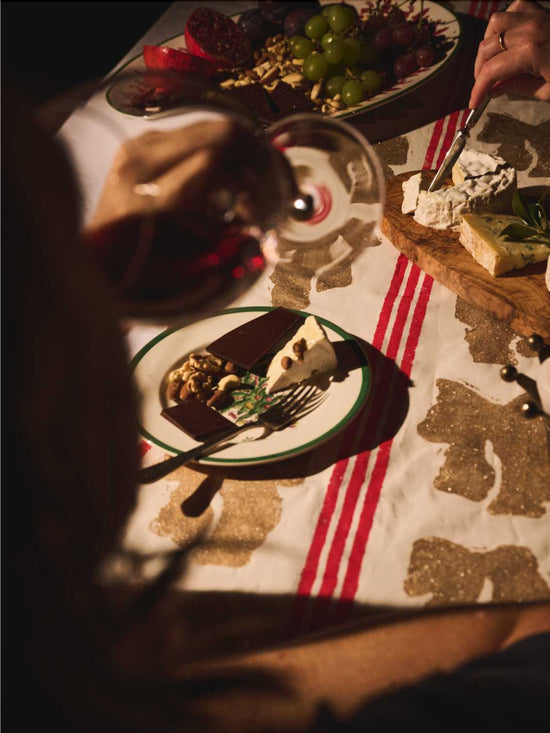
[{"x": 514, "y": 56}]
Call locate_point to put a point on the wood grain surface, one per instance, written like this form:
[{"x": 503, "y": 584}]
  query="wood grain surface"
[{"x": 520, "y": 298}]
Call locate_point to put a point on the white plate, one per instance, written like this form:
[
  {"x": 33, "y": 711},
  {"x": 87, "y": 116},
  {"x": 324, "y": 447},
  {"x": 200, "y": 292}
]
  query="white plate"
[
  {"x": 447, "y": 25},
  {"x": 162, "y": 354}
]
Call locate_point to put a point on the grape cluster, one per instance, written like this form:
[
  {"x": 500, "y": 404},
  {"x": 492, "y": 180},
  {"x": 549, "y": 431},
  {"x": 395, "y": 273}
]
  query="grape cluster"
[{"x": 357, "y": 59}]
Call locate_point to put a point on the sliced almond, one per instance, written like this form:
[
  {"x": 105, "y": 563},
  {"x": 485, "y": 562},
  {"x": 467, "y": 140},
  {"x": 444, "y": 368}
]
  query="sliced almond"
[{"x": 294, "y": 78}]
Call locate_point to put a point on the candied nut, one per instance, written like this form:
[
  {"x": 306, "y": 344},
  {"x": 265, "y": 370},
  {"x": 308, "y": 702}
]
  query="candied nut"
[
  {"x": 259, "y": 71},
  {"x": 201, "y": 395},
  {"x": 185, "y": 391},
  {"x": 278, "y": 37},
  {"x": 286, "y": 362},
  {"x": 195, "y": 380},
  {"x": 231, "y": 381},
  {"x": 174, "y": 387},
  {"x": 263, "y": 58},
  {"x": 299, "y": 348},
  {"x": 227, "y": 84},
  {"x": 218, "y": 399},
  {"x": 251, "y": 74},
  {"x": 298, "y": 62},
  {"x": 230, "y": 368}
]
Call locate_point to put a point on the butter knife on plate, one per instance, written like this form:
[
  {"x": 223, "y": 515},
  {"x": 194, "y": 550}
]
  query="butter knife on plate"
[{"x": 457, "y": 147}]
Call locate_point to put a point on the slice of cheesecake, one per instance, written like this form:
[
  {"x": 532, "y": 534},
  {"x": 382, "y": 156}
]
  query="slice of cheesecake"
[
  {"x": 480, "y": 235},
  {"x": 307, "y": 354}
]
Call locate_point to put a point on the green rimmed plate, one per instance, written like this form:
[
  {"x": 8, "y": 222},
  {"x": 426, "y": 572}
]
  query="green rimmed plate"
[{"x": 345, "y": 394}]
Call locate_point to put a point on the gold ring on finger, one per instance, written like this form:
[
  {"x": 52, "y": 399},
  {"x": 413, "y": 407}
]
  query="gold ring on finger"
[{"x": 501, "y": 41}]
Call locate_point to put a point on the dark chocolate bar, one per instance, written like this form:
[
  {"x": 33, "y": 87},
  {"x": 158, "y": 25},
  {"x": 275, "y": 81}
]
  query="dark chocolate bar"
[
  {"x": 246, "y": 345},
  {"x": 197, "y": 419}
]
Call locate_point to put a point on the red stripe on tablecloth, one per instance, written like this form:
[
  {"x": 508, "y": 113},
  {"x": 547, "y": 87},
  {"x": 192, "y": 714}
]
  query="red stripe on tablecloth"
[
  {"x": 362, "y": 461},
  {"x": 351, "y": 580},
  {"x": 311, "y": 565}
]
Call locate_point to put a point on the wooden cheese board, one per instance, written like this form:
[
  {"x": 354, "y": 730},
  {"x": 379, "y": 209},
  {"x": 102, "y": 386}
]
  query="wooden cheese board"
[{"x": 520, "y": 298}]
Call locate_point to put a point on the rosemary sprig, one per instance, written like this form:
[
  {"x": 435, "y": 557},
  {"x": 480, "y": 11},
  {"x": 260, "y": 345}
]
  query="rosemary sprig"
[{"x": 534, "y": 221}]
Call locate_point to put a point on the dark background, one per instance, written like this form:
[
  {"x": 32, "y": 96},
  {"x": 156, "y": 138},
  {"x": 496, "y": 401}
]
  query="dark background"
[{"x": 51, "y": 47}]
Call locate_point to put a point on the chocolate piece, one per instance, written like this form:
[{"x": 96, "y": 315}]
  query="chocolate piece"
[
  {"x": 247, "y": 344},
  {"x": 253, "y": 96},
  {"x": 197, "y": 419},
  {"x": 288, "y": 101}
]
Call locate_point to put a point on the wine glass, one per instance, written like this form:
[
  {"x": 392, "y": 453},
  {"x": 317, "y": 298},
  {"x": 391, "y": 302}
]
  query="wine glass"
[{"x": 315, "y": 177}]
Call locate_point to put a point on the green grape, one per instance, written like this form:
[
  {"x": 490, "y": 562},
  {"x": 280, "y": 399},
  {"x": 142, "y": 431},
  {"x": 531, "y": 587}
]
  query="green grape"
[
  {"x": 326, "y": 9},
  {"x": 335, "y": 70},
  {"x": 369, "y": 54},
  {"x": 340, "y": 18},
  {"x": 329, "y": 38},
  {"x": 303, "y": 47},
  {"x": 334, "y": 85},
  {"x": 316, "y": 26},
  {"x": 292, "y": 42},
  {"x": 315, "y": 66},
  {"x": 371, "y": 80},
  {"x": 351, "y": 50},
  {"x": 352, "y": 92},
  {"x": 334, "y": 52}
]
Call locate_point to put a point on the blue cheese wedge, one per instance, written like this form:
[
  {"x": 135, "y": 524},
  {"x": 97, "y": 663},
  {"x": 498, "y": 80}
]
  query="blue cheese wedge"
[
  {"x": 481, "y": 182},
  {"x": 480, "y": 235},
  {"x": 308, "y": 353}
]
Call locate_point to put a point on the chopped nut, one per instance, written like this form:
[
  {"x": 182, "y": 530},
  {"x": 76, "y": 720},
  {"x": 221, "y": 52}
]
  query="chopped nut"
[
  {"x": 251, "y": 74},
  {"x": 286, "y": 362},
  {"x": 259, "y": 71},
  {"x": 227, "y": 84},
  {"x": 230, "y": 368},
  {"x": 315, "y": 92},
  {"x": 293, "y": 78},
  {"x": 270, "y": 76},
  {"x": 263, "y": 58},
  {"x": 298, "y": 62},
  {"x": 278, "y": 37}
]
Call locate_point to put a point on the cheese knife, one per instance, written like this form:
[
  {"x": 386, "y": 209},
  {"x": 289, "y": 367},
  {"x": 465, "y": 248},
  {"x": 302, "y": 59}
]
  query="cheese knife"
[{"x": 457, "y": 146}]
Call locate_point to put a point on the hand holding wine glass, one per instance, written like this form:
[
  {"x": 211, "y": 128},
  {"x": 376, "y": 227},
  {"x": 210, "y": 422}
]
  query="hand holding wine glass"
[{"x": 180, "y": 207}]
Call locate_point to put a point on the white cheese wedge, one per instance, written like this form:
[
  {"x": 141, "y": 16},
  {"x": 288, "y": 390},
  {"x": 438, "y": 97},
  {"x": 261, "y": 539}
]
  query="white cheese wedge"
[
  {"x": 318, "y": 357},
  {"x": 480, "y": 235},
  {"x": 482, "y": 182},
  {"x": 411, "y": 191},
  {"x": 474, "y": 163}
]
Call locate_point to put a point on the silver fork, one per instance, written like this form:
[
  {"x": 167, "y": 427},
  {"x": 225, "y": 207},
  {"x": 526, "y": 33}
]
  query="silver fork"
[{"x": 300, "y": 401}]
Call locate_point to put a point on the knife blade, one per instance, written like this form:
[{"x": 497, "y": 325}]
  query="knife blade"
[{"x": 457, "y": 146}]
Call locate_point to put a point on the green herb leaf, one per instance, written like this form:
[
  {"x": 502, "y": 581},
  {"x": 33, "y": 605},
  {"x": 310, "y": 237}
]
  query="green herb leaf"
[
  {"x": 518, "y": 232},
  {"x": 519, "y": 207}
]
